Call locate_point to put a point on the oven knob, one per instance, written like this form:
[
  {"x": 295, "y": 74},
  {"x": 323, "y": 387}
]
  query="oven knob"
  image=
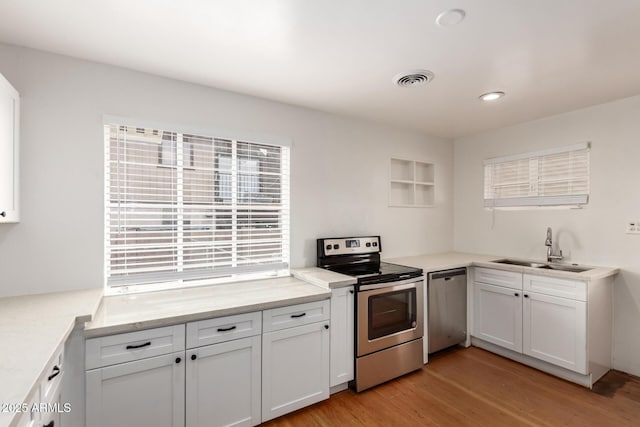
[
  {"x": 368, "y": 244},
  {"x": 336, "y": 246},
  {"x": 328, "y": 247}
]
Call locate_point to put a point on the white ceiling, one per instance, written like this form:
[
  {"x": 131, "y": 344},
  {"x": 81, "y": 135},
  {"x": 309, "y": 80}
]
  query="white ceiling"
[{"x": 340, "y": 56}]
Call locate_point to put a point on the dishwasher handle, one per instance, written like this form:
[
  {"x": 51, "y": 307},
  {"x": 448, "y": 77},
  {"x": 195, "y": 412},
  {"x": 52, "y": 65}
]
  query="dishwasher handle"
[{"x": 447, "y": 274}]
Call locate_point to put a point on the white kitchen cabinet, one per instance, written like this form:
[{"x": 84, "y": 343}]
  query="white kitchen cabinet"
[
  {"x": 555, "y": 330},
  {"x": 295, "y": 363},
  {"x": 498, "y": 315},
  {"x": 560, "y": 325},
  {"x": 146, "y": 392},
  {"x": 342, "y": 338},
  {"x": 223, "y": 384},
  {"x": 9, "y": 152}
]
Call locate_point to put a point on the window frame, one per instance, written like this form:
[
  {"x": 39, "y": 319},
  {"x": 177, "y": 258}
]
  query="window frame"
[{"x": 237, "y": 137}]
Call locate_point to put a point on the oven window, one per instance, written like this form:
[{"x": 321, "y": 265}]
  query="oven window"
[{"x": 391, "y": 312}]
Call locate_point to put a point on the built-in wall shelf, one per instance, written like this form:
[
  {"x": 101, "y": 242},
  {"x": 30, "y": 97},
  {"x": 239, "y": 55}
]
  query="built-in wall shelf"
[{"x": 411, "y": 183}]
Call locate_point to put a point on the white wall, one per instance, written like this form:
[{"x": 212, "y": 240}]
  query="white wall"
[
  {"x": 339, "y": 167},
  {"x": 593, "y": 235}
]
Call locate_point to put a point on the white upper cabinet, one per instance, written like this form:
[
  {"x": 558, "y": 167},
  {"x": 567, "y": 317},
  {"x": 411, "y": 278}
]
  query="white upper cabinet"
[{"x": 9, "y": 142}]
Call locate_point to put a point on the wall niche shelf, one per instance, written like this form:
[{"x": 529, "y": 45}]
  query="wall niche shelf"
[{"x": 411, "y": 183}]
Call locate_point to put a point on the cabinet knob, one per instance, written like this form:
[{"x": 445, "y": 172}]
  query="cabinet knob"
[
  {"x": 3, "y": 214},
  {"x": 516, "y": 294},
  {"x": 194, "y": 357},
  {"x": 178, "y": 360},
  {"x": 351, "y": 291},
  {"x": 526, "y": 296},
  {"x": 326, "y": 326},
  {"x": 51, "y": 424}
]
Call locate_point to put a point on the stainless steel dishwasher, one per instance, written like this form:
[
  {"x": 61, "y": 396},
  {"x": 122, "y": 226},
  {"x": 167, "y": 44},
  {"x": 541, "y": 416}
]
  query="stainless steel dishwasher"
[{"x": 447, "y": 308}]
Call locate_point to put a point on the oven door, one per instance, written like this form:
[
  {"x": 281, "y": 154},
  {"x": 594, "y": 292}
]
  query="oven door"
[{"x": 389, "y": 314}]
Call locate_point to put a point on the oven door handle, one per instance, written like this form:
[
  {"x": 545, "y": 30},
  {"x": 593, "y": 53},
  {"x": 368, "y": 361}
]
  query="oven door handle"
[{"x": 419, "y": 279}]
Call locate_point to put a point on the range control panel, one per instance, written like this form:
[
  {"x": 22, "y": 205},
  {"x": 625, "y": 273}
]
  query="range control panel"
[{"x": 349, "y": 245}]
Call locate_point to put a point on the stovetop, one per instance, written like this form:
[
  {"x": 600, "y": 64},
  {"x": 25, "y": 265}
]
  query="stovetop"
[{"x": 360, "y": 257}]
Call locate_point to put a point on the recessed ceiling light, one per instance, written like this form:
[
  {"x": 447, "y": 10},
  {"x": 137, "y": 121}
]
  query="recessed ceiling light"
[
  {"x": 451, "y": 17},
  {"x": 413, "y": 78},
  {"x": 491, "y": 96}
]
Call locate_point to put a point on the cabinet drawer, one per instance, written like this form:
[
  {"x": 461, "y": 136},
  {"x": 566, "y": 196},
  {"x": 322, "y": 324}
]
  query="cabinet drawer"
[
  {"x": 490, "y": 276},
  {"x": 566, "y": 288},
  {"x": 50, "y": 384},
  {"x": 295, "y": 315},
  {"x": 213, "y": 331},
  {"x": 109, "y": 350}
]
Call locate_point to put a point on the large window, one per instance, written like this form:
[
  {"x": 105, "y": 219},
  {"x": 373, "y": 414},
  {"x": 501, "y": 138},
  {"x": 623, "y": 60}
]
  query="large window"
[
  {"x": 187, "y": 209},
  {"x": 554, "y": 177}
]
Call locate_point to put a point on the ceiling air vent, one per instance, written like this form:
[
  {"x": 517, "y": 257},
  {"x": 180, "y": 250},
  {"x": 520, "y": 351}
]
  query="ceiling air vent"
[{"x": 413, "y": 78}]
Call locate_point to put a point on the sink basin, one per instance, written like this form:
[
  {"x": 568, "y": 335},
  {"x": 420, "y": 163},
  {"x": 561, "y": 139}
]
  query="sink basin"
[
  {"x": 549, "y": 266},
  {"x": 521, "y": 263},
  {"x": 564, "y": 267}
]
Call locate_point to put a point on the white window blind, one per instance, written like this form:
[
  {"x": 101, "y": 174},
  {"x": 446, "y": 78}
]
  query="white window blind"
[
  {"x": 183, "y": 208},
  {"x": 555, "y": 177}
]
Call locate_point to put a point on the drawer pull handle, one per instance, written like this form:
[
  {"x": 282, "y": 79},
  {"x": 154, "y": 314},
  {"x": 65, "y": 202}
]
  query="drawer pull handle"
[
  {"x": 51, "y": 424},
  {"x": 295, "y": 316},
  {"x": 132, "y": 347},
  {"x": 56, "y": 372},
  {"x": 226, "y": 329}
]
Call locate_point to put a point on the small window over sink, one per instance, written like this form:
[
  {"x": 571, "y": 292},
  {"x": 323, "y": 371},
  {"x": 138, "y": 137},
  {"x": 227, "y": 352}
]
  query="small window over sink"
[{"x": 553, "y": 177}]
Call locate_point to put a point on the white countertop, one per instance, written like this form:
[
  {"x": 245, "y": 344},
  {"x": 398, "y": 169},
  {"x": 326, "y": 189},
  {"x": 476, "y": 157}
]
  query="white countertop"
[
  {"x": 128, "y": 313},
  {"x": 446, "y": 261},
  {"x": 32, "y": 328}
]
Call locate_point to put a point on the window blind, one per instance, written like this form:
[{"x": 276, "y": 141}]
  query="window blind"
[
  {"x": 184, "y": 208},
  {"x": 555, "y": 177}
]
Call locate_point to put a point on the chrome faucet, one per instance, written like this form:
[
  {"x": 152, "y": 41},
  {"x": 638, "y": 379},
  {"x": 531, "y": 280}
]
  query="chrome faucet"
[{"x": 549, "y": 244}]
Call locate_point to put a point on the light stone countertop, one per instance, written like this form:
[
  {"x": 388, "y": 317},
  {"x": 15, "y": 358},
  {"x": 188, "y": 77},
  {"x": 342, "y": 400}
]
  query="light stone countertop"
[
  {"x": 32, "y": 328},
  {"x": 128, "y": 313},
  {"x": 449, "y": 260},
  {"x": 323, "y": 277}
]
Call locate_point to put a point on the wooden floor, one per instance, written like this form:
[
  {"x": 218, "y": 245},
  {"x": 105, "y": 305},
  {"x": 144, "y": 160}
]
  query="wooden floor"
[{"x": 472, "y": 387}]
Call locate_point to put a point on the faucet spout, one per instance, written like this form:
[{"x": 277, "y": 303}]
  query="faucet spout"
[{"x": 549, "y": 244}]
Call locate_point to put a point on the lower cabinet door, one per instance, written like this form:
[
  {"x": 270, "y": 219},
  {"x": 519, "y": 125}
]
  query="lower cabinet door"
[
  {"x": 497, "y": 315},
  {"x": 295, "y": 368},
  {"x": 147, "y": 392},
  {"x": 223, "y": 384},
  {"x": 555, "y": 330}
]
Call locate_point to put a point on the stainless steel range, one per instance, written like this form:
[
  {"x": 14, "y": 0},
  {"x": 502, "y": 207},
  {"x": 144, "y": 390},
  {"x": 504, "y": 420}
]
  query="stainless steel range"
[{"x": 389, "y": 316}]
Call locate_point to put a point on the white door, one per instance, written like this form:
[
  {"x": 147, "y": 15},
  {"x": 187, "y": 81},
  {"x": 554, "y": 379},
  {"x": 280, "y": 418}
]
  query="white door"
[
  {"x": 223, "y": 384},
  {"x": 147, "y": 392},
  {"x": 555, "y": 330},
  {"x": 295, "y": 368},
  {"x": 498, "y": 315},
  {"x": 342, "y": 324}
]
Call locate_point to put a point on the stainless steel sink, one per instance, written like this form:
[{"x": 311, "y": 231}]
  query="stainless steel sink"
[
  {"x": 548, "y": 266},
  {"x": 564, "y": 267},
  {"x": 521, "y": 263}
]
